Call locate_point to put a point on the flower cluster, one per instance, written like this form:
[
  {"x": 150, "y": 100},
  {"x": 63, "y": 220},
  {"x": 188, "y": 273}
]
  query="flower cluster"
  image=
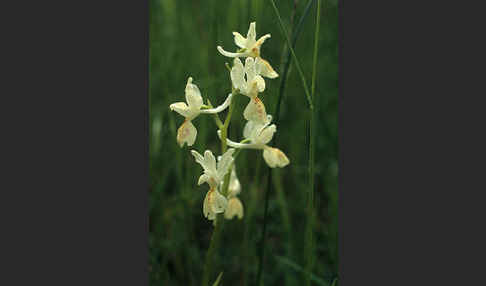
[{"x": 248, "y": 80}]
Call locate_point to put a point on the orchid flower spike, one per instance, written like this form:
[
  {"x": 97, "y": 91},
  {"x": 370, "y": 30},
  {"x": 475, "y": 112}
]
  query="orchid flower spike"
[
  {"x": 250, "y": 47},
  {"x": 214, "y": 202},
  {"x": 259, "y": 134},
  {"x": 187, "y": 132}
]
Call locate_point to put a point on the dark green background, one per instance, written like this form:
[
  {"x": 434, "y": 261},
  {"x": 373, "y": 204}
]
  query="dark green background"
[{"x": 183, "y": 40}]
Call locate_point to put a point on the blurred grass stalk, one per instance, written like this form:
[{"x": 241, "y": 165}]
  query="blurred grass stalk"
[
  {"x": 309, "y": 240},
  {"x": 296, "y": 61},
  {"x": 295, "y": 33},
  {"x": 277, "y": 179}
]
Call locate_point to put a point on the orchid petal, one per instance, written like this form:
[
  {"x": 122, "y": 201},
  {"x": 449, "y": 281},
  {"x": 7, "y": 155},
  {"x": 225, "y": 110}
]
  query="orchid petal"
[
  {"x": 218, "y": 202},
  {"x": 250, "y": 69},
  {"x": 255, "y": 111},
  {"x": 193, "y": 95},
  {"x": 265, "y": 69},
  {"x": 199, "y": 158},
  {"x": 274, "y": 157},
  {"x": 225, "y": 162},
  {"x": 261, "y": 40},
  {"x": 234, "y": 208},
  {"x": 186, "y": 134},
  {"x": 181, "y": 108},
  {"x": 210, "y": 161},
  {"x": 238, "y": 75},
  {"x": 234, "y": 187},
  {"x": 266, "y": 134},
  {"x": 204, "y": 178},
  {"x": 240, "y": 41},
  {"x": 251, "y": 35}
]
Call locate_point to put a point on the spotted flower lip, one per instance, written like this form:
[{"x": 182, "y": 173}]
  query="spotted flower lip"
[
  {"x": 255, "y": 111},
  {"x": 234, "y": 208},
  {"x": 214, "y": 203},
  {"x": 274, "y": 157},
  {"x": 187, "y": 132}
]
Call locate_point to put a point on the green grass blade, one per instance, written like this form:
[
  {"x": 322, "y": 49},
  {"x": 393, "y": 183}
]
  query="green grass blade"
[
  {"x": 316, "y": 46},
  {"x": 277, "y": 113},
  {"x": 216, "y": 283},
  {"x": 299, "y": 268},
  {"x": 296, "y": 61},
  {"x": 295, "y": 36},
  {"x": 309, "y": 239}
]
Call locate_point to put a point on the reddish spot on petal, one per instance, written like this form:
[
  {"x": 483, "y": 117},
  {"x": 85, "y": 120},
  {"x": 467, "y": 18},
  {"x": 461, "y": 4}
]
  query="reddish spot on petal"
[
  {"x": 256, "y": 52},
  {"x": 259, "y": 107},
  {"x": 183, "y": 131}
]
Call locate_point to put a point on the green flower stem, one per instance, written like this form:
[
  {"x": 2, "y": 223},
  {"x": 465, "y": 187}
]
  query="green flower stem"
[
  {"x": 226, "y": 181},
  {"x": 230, "y": 112},
  {"x": 218, "y": 229},
  {"x": 224, "y": 143},
  {"x": 218, "y": 121},
  {"x": 215, "y": 238},
  {"x": 224, "y": 128}
]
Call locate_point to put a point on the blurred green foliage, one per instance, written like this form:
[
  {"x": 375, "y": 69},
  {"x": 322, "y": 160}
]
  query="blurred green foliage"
[{"x": 183, "y": 39}]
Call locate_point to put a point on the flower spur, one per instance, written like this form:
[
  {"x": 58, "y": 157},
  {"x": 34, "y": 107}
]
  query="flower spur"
[{"x": 259, "y": 135}]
